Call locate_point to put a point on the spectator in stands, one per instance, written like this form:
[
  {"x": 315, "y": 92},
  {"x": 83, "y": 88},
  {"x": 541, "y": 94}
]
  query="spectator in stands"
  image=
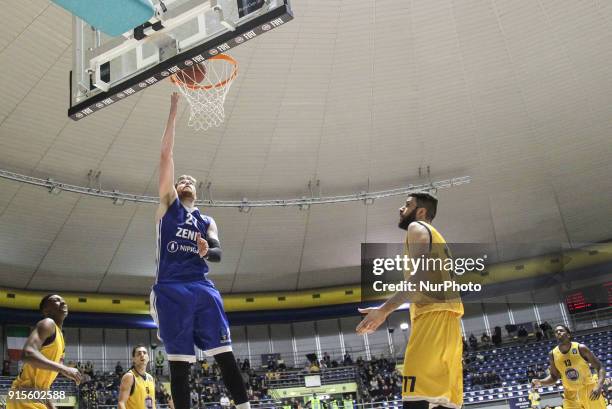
[
  {"x": 347, "y": 359},
  {"x": 473, "y": 342},
  {"x": 485, "y": 339},
  {"x": 194, "y": 398},
  {"x": 205, "y": 368},
  {"x": 538, "y": 332},
  {"x": 530, "y": 373},
  {"x": 224, "y": 401},
  {"x": 6, "y": 368},
  {"x": 159, "y": 364},
  {"x": 246, "y": 365},
  {"x": 480, "y": 358},
  {"x": 495, "y": 380},
  {"x": 547, "y": 330},
  {"x": 608, "y": 388},
  {"x": 497, "y": 336},
  {"x": 89, "y": 369},
  {"x": 118, "y": 368},
  {"x": 326, "y": 359},
  {"x": 522, "y": 334}
]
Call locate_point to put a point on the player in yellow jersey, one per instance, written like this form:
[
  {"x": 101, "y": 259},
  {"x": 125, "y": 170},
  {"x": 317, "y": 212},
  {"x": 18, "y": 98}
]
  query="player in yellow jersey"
[
  {"x": 433, "y": 369},
  {"x": 569, "y": 362},
  {"x": 137, "y": 390},
  {"x": 534, "y": 399},
  {"x": 43, "y": 357}
]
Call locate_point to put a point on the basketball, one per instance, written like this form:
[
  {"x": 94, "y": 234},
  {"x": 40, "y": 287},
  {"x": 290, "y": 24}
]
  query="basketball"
[{"x": 193, "y": 75}]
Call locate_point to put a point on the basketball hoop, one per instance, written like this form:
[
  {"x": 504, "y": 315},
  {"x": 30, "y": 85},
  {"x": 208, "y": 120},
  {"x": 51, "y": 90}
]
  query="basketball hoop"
[{"x": 205, "y": 86}]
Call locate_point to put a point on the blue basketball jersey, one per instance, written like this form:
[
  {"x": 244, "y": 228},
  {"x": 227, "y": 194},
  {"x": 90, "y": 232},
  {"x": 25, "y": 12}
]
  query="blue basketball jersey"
[{"x": 177, "y": 250}]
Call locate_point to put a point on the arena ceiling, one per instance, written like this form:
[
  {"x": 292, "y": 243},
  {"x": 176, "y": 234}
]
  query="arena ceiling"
[{"x": 356, "y": 94}]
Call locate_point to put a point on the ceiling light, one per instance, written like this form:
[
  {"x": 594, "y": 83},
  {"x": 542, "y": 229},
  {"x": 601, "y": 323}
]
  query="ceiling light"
[{"x": 404, "y": 326}]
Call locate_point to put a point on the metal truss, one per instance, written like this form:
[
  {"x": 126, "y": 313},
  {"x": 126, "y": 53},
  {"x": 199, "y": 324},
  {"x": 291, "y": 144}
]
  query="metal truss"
[{"x": 243, "y": 205}]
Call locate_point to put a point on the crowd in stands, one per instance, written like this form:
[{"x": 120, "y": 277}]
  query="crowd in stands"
[
  {"x": 378, "y": 379},
  {"x": 473, "y": 359}
]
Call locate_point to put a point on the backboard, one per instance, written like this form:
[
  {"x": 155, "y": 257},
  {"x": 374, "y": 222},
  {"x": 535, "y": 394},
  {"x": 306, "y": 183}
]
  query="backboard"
[{"x": 182, "y": 33}]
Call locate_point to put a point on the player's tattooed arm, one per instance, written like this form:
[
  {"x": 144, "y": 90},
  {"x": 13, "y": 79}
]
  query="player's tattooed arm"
[
  {"x": 595, "y": 363},
  {"x": 420, "y": 243},
  {"x": 550, "y": 379},
  {"x": 167, "y": 191}
]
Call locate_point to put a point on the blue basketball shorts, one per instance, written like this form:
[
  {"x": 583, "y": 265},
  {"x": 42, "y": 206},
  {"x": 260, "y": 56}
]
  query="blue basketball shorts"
[{"x": 189, "y": 314}]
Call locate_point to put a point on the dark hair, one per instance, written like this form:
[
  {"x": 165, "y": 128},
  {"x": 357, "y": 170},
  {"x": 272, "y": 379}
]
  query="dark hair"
[
  {"x": 44, "y": 300},
  {"x": 136, "y": 347},
  {"x": 427, "y": 201},
  {"x": 565, "y": 328}
]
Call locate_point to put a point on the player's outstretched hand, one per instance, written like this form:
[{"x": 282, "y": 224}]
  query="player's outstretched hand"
[
  {"x": 174, "y": 99},
  {"x": 596, "y": 392},
  {"x": 536, "y": 383},
  {"x": 374, "y": 317},
  {"x": 72, "y": 373},
  {"x": 202, "y": 245}
]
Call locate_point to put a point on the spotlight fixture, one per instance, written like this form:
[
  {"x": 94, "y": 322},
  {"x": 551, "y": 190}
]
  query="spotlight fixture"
[
  {"x": 305, "y": 205},
  {"x": 244, "y": 206},
  {"x": 53, "y": 187},
  {"x": 118, "y": 200}
]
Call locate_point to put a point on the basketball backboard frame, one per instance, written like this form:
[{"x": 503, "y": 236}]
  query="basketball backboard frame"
[{"x": 182, "y": 33}]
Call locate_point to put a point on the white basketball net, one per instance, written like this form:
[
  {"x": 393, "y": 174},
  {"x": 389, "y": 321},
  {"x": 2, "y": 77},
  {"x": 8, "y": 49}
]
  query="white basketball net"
[{"x": 205, "y": 86}]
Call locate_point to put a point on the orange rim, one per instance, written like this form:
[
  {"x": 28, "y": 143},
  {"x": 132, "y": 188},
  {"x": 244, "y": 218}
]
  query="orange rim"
[{"x": 223, "y": 57}]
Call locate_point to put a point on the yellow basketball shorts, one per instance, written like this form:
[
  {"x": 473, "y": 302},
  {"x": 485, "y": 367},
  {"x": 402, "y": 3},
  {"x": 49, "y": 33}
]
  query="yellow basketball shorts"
[
  {"x": 433, "y": 369},
  {"x": 580, "y": 399}
]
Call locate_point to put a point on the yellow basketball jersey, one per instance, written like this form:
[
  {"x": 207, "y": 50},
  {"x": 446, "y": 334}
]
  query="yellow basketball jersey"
[
  {"x": 439, "y": 250},
  {"x": 575, "y": 371},
  {"x": 142, "y": 394},
  {"x": 31, "y": 377},
  {"x": 534, "y": 398}
]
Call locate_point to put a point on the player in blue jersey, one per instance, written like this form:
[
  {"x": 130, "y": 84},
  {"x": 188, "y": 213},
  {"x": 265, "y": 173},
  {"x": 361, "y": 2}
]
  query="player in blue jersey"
[{"x": 186, "y": 306}]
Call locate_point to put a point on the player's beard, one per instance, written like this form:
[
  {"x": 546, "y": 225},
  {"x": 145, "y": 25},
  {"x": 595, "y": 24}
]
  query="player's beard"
[
  {"x": 406, "y": 220},
  {"x": 186, "y": 194}
]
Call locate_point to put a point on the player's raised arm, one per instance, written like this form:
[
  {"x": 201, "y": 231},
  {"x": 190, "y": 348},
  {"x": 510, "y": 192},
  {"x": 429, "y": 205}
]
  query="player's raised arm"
[
  {"x": 32, "y": 355},
  {"x": 167, "y": 192},
  {"x": 595, "y": 363},
  {"x": 550, "y": 379}
]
